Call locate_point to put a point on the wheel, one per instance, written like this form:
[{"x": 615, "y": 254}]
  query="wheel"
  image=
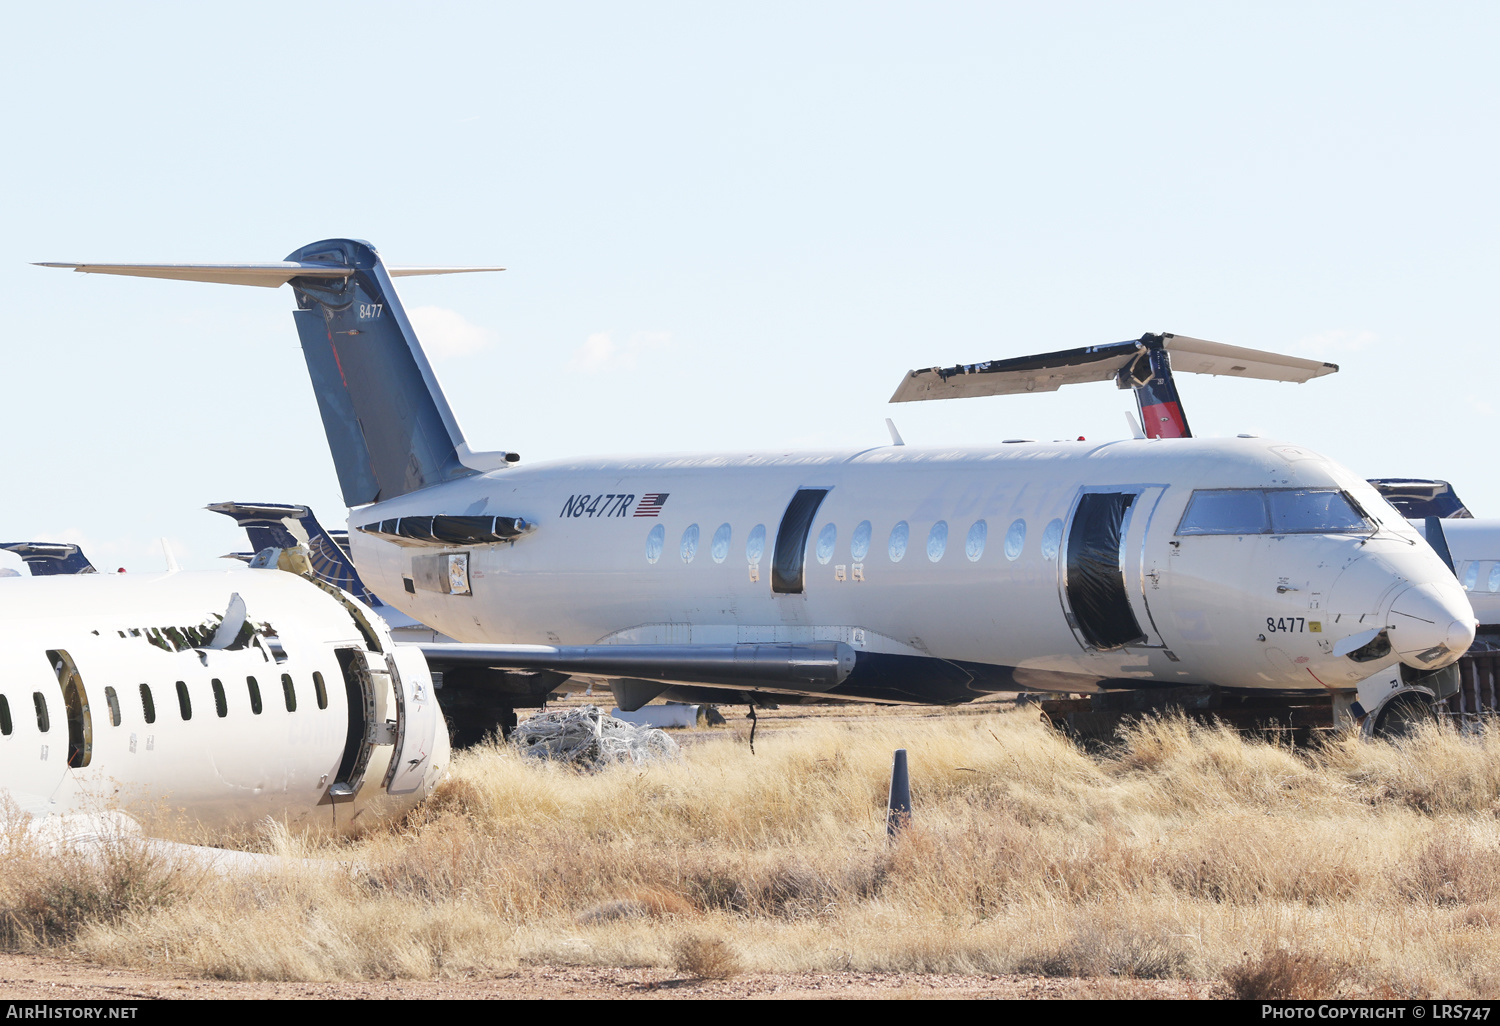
[{"x": 1403, "y": 715}]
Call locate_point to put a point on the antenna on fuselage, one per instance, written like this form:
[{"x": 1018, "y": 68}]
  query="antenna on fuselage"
[{"x": 1143, "y": 365}]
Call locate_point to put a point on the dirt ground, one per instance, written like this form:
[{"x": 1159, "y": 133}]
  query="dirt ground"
[{"x": 27, "y": 977}]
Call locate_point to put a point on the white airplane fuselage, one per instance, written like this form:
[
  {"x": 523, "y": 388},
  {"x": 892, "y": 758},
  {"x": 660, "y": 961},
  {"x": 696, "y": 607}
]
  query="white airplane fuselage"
[
  {"x": 1247, "y": 610},
  {"x": 896, "y": 573},
  {"x": 112, "y": 698}
]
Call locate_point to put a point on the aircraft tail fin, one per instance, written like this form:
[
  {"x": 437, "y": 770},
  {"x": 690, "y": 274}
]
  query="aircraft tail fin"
[
  {"x": 44, "y": 559},
  {"x": 389, "y": 426},
  {"x": 273, "y": 525}
]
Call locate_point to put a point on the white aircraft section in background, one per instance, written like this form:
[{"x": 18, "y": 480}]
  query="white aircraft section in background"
[
  {"x": 895, "y": 574},
  {"x": 217, "y": 697},
  {"x": 1474, "y": 545}
]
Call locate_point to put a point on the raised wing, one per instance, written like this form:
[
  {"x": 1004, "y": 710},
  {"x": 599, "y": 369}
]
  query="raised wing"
[{"x": 1126, "y": 363}]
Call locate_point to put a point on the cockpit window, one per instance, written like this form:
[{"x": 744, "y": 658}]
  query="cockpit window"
[
  {"x": 1309, "y": 511},
  {"x": 1236, "y": 512},
  {"x": 1272, "y": 511}
]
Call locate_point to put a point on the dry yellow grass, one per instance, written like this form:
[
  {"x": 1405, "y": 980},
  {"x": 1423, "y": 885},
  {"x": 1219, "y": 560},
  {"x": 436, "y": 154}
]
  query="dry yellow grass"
[{"x": 1364, "y": 868}]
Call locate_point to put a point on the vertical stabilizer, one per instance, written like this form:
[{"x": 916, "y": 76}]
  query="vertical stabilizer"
[{"x": 389, "y": 426}]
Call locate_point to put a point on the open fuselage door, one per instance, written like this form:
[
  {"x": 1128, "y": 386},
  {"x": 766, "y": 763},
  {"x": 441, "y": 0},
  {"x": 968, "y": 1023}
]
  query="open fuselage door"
[
  {"x": 1104, "y": 580},
  {"x": 417, "y": 720}
]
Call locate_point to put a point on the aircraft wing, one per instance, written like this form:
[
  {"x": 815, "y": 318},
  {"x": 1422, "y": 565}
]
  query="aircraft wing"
[
  {"x": 815, "y": 668},
  {"x": 1048, "y": 372}
]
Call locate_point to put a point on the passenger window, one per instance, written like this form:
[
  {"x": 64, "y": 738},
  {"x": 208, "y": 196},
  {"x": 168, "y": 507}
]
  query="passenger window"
[
  {"x": 221, "y": 702},
  {"x": 755, "y": 545},
  {"x": 1313, "y": 512},
  {"x": 720, "y": 550},
  {"x": 654, "y": 542},
  {"x": 689, "y": 543},
  {"x": 979, "y": 533},
  {"x": 1494, "y": 581},
  {"x": 1239, "y": 511},
  {"x": 899, "y": 534},
  {"x": 1471, "y": 576},
  {"x": 5, "y": 724},
  {"x": 827, "y": 538},
  {"x": 321, "y": 689},
  {"x": 289, "y": 692},
  {"x": 112, "y": 699},
  {"x": 1015, "y": 540},
  {"x": 43, "y": 723},
  {"x": 1052, "y": 540},
  {"x": 184, "y": 703},
  {"x": 937, "y": 541},
  {"x": 859, "y": 545},
  {"x": 148, "y": 704},
  {"x": 254, "y": 690}
]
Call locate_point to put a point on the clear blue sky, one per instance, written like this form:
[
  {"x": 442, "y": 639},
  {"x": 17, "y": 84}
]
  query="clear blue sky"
[{"x": 735, "y": 227}]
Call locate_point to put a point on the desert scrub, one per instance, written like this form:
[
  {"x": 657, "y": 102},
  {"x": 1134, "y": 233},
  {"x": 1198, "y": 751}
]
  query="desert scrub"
[{"x": 1185, "y": 852}]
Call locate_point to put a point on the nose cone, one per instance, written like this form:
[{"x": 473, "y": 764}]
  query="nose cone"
[{"x": 1431, "y": 625}]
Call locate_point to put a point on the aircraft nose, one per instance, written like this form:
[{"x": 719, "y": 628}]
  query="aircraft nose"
[{"x": 1431, "y": 625}]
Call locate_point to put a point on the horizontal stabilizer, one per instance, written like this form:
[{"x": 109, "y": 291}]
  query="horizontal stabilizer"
[
  {"x": 818, "y": 666},
  {"x": 1048, "y": 372},
  {"x": 389, "y": 427},
  {"x": 269, "y": 276}
]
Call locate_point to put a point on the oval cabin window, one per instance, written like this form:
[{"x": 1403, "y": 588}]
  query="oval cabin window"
[
  {"x": 827, "y": 538},
  {"x": 1052, "y": 540},
  {"x": 974, "y": 543},
  {"x": 859, "y": 544},
  {"x": 720, "y": 550},
  {"x": 755, "y": 545},
  {"x": 1015, "y": 540},
  {"x": 899, "y": 535},
  {"x": 937, "y": 541}
]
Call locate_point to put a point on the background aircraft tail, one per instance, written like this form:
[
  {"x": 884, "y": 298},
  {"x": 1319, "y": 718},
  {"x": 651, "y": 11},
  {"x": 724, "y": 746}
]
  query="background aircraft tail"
[
  {"x": 272, "y": 525},
  {"x": 46, "y": 558}
]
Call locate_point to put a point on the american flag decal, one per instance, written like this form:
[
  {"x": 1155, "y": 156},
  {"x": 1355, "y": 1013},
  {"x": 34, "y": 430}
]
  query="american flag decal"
[{"x": 651, "y": 504}]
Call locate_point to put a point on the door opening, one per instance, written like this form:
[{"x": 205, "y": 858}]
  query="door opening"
[
  {"x": 360, "y": 702},
  {"x": 76, "y": 702},
  {"x": 791, "y": 540},
  {"x": 1096, "y": 575}
]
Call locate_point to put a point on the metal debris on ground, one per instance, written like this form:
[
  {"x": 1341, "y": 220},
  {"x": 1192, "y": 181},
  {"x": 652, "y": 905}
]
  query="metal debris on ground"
[{"x": 590, "y": 739}]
